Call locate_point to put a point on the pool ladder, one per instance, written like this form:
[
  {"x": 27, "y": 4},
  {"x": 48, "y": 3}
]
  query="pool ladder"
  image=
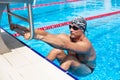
[{"x": 29, "y": 19}]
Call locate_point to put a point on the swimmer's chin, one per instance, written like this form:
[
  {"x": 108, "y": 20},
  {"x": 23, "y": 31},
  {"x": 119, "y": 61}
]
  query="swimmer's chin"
[{"x": 72, "y": 38}]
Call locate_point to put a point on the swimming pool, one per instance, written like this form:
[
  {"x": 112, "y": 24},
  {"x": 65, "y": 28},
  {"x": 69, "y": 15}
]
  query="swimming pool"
[{"x": 102, "y": 32}]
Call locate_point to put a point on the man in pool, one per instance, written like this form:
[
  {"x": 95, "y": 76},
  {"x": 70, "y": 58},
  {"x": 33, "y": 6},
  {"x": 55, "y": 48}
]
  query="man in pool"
[{"x": 80, "y": 58}]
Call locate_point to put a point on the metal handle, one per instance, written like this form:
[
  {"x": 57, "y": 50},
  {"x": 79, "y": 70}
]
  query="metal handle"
[{"x": 29, "y": 19}]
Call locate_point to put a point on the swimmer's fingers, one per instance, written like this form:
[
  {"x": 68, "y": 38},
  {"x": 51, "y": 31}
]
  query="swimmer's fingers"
[{"x": 27, "y": 35}]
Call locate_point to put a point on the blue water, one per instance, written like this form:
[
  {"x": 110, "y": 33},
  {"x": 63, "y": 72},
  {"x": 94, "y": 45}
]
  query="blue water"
[{"x": 103, "y": 32}]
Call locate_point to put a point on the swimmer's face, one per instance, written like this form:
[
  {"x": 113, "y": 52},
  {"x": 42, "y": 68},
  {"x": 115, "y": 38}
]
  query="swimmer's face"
[{"x": 75, "y": 31}]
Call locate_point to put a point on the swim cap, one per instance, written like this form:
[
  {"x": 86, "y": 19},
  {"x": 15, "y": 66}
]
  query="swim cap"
[{"x": 81, "y": 22}]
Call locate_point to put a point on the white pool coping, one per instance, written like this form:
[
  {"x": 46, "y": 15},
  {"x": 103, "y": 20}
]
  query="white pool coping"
[{"x": 21, "y": 63}]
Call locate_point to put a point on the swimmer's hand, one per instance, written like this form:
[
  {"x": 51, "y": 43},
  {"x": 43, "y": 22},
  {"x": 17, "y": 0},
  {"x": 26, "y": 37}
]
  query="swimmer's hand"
[
  {"x": 36, "y": 36},
  {"x": 27, "y": 35}
]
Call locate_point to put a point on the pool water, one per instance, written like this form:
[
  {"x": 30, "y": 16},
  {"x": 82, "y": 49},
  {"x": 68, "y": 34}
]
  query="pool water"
[{"x": 102, "y": 32}]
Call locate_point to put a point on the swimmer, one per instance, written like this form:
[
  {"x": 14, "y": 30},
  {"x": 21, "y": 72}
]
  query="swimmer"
[{"x": 80, "y": 58}]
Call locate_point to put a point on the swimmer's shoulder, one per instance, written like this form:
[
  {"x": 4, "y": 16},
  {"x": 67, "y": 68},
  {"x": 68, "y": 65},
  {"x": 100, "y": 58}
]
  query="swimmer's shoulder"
[{"x": 63, "y": 35}]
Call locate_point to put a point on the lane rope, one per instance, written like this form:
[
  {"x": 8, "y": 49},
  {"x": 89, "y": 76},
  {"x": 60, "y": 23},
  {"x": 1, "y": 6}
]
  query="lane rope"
[
  {"x": 42, "y": 5},
  {"x": 67, "y": 23}
]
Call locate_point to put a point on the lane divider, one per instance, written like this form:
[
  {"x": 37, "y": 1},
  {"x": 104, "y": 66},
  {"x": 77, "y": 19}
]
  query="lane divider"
[
  {"x": 42, "y": 5},
  {"x": 54, "y": 26},
  {"x": 103, "y": 15},
  {"x": 67, "y": 23}
]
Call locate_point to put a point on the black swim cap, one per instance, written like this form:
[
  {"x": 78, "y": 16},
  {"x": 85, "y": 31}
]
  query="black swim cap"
[{"x": 81, "y": 22}]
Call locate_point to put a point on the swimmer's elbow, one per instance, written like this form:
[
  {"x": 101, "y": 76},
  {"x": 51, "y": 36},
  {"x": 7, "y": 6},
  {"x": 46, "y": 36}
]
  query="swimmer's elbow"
[
  {"x": 60, "y": 46},
  {"x": 63, "y": 46}
]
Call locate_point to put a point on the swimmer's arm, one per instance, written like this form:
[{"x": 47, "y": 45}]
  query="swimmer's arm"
[
  {"x": 64, "y": 43},
  {"x": 61, "y": 41},
  {"x": 79, "y": 47},
  {"x": 52, "y": 39}
]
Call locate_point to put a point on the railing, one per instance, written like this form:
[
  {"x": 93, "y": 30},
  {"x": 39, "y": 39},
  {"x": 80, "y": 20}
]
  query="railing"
[
  {"x": 3, "y": 4},
  {"x": 29, "y": 19}
]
